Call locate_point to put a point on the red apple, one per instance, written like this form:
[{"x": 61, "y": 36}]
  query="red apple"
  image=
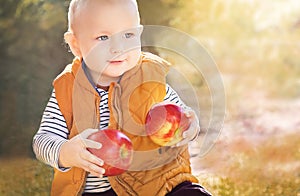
[
  {"x": 116, "y": 151},
  {"x": 165, "y": 124}
]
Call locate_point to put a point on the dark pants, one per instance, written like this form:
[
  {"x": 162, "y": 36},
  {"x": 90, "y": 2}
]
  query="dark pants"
[
  {"x": 183, "y": 189},
  {"x": 188, "y": 189}
]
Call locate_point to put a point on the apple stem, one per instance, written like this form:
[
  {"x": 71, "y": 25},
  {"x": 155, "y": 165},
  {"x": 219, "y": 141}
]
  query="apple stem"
[{"x": 123, "y": 151}]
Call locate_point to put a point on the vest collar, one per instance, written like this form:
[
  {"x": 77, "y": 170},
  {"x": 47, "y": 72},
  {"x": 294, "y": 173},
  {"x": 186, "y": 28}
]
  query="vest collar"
[{"x": 82, "y": 76}]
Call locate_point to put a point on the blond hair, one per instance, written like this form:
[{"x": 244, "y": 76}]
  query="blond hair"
[{"x": 76, "y": 5}]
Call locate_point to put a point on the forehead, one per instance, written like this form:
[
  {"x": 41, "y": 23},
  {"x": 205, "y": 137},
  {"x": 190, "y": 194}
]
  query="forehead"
[
  {"x": 105, "y": 13},
  {"x": 77, "y": 5}
]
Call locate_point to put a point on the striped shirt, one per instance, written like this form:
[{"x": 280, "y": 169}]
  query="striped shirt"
[{"x": 53, "y": 132}]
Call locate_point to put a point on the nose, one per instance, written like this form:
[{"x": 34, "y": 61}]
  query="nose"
[
  {"x": 116, "y": 45},
  {"x": 115, "y": 50}
]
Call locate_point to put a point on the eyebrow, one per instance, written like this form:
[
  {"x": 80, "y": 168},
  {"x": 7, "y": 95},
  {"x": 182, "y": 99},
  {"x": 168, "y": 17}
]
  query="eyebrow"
[{"x": 103, "y": 33}]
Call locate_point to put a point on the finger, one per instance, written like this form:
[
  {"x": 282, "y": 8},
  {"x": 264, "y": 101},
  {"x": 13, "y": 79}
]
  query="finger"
[
  {"x": 181, "y": 143},
  {"x": 185, "y": 134},
  {"x": 91, "y": 144},
  {"x": 87, "y": 156},
  {"x": 93, "y": 169},
  {"x": 189, "y": 113},
  {"x": 96, "y": 170},
  {"x": 96, "y": 174},
  {"x": 191, "y": 133},
  {"x": 188, "y": 134},
  {"x": 194, "y": 127},
  {"x": 87, "y": 132}
]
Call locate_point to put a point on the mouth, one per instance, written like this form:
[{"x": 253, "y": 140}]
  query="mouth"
[{"x": 116, "y": 62}]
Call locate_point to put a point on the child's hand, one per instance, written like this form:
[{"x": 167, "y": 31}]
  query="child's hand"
[
  {"x": 192, "y": 132},
  {"x": 74, "y": 153}
]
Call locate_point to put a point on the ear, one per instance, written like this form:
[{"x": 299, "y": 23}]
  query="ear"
[
  {"x": 71, "y": 40},
  {"x": 141, "y": 29}
]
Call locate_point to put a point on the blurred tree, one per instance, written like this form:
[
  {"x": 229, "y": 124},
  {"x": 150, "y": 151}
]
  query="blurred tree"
[
  {"x": 158, "y": 12},
  {"x": 31, "y": 55}
]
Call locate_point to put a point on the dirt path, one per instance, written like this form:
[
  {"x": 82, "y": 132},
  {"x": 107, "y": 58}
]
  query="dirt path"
[{"x": 255, "y": 121}]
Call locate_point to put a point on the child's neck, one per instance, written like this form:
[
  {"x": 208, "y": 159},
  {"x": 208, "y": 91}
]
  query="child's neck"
[
  {"x": 103, "y": 87},
  {"x": 105, "y": 81}
]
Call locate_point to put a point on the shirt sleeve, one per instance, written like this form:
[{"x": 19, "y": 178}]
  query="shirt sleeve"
[
  {"x": 173, "y": 97},
  {"x": 52, "y": 133}
]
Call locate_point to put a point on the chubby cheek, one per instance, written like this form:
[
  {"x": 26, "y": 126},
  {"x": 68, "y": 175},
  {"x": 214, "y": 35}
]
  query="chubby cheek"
[
  {"x": 86, "y": 46},
  {"x": 134, "y": 57},
  {"x": 96, "y": 57}
]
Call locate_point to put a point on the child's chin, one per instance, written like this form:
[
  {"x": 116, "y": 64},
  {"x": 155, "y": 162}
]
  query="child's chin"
[{"x": 115, "y": 74}]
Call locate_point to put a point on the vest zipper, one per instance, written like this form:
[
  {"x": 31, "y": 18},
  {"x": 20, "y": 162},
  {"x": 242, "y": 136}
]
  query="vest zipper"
[{"x": 116, "y": 106}]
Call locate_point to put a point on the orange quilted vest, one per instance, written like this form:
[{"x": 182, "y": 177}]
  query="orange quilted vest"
[{"x": 155, "y": 170}]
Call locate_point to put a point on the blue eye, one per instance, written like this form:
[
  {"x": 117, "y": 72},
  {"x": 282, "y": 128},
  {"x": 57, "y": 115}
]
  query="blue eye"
[
  {"x": 128, "y": 35},
  {"x": 102, "y": 38}
]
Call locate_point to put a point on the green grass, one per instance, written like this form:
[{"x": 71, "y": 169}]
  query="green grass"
[
  {"x": 24, "y": 176},
  {"x": 270, "y": 168}
]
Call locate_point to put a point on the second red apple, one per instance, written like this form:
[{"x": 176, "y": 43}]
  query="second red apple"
[{"x": 165, "y": 124}]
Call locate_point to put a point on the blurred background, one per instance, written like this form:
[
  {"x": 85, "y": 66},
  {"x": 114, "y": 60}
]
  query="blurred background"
[{"x": 256, "y": 46}]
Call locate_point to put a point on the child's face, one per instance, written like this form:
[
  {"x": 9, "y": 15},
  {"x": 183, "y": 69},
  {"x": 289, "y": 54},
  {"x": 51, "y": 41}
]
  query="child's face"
[{"x": 108, "y": 37}]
